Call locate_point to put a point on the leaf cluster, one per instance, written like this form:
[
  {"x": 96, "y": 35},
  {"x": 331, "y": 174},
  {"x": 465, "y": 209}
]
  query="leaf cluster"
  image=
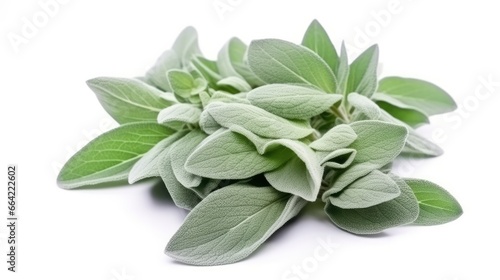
[{"x": 247, "y": 140}]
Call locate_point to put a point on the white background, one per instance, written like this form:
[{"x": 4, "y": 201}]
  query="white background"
[{"x": 120, "y": 233}]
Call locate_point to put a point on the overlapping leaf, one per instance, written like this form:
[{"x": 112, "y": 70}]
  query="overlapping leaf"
[{"x": 246, "y": 140}]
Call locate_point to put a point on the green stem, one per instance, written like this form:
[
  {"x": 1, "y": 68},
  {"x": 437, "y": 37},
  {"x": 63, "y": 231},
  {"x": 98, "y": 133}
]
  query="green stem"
[{"x": 339, "y": 114}]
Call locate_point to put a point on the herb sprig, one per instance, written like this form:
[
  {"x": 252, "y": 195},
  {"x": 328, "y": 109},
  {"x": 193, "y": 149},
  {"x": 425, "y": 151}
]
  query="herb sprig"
[{"x": 246, "y": 141}]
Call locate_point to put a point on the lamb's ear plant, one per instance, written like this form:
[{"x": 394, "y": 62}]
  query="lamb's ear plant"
[{"x": 247, "y": 140}]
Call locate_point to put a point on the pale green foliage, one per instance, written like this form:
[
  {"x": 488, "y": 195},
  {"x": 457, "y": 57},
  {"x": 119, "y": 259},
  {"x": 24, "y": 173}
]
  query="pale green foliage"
[
  {"x": 401, "y": 210},
  {"x": 437, "y": 206},
  {"x": 417, "y": 94},
  {"x": 111, "y": 156},
  {"x": 245, "y": 141},
  {"x": 216, "y": 233},
  {"x": 369, "y": 190},
  {"x": 363, "y": 73},
  {"x": 292, "y": 101},
  {"x": 277, "y": 61},
  {"x": 229, "y": 155},
  {"x": 130, "y": 100}
]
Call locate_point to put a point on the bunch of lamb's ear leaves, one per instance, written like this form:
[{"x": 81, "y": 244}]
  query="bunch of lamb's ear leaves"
[{"x": 246, "y": 141}]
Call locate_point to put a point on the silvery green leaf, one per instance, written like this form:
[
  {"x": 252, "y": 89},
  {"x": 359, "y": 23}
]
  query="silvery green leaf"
[
  {"x": 232, "y": 62},
  {"x": 377, "y": 144},
  {"x": 364, "y": 105},
  {"x": 208, "y": 69},
  {"x": 204, "y": 98},
  {"x": 231, "y": 223},
  {"x": 220, "y": 96},
  {"x": 370, "y": 190},
  {"x": 399, "y": 211},
  {"x": 292, "y": 101},
  {"x": 339, "y": 158},
  {"x": 110, "y": 156},
  {"x": 243, "y": 68},
  {"x": 237, "y": 83},
  {"x": 339, "y": 136},
  {"x": 186, "y": 45},
  {"x": 229, "y": 155},
  {"x": 195, "y": 99},
  {"x": 147, "y": 166},
  {"x": 277, "y": 61},
  {"x": 418, "y": 145},
  {"x": 184, "y": 85},
  {"x": 181, "y": 113},
  {"x": 363, "y": 73},
  {"x": 234, "y": 50},
  {"x": 158, "y": 73},
  {"x": 206, "y": 187},
  {"x": 342, "y": 73},
  {"x": 208, "y": 123},
  {"x": 265, "y": 145},
  {"x": 129, "y": 100},
  {"x": 183, "y": 197},
  {"x": 410, "y": 116},
  {"x": 260, "y": 143},
  {"x": 301, "y": 175},
  {"x": 415, "y": 144},
  {"x": 179, "y": 154},
  {"x": 316, "y": 39},
  {"x": 437, "y": 206},
  {"x": 421, "y": 95},
  {"x": 258, "y": 120}
]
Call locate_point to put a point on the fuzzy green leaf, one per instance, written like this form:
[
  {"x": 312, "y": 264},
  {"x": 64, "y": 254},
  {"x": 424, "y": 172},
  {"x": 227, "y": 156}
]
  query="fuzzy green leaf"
[
  {"x": 415, "y": 144},
  {"x": 229, "y": 155},
  {"x": 378, "y": 143},
  {"x": 130, "y": 100},
  {"x": 227, "y": 98},
  {"x": 364, "y": 105},
  {"x": 238, "y": 84},
  {"x": 206, "y": 187},
  {"x": 110, "y": 156},
  {"x": 370, "y": 190},
  {"x": 233, "y": 50},
  {"x": 180, "y": 153},
  {"x": 183, "y": 197},
  {"x": 292, "y": 101},
  {"x": 147, "y": 166},
  {"x": 301, "y": 175},
  {"x": 363, "y": 73},
  {"x": 419, "y": 146},
  {"x": 342, "y": 73},
  {"x": 410, "y": 116},
  {"x": 184, "y": 85},
  {"x": 422, "y": 95},
  {"x": 179, "y": 114},
  {"x": 208, "y": 69},
  {"x": 316, "y": 39},
  {"x": 277, "y": 61},
  {"x": 339, "y": 158},
  {"x": 158, "y": 73},
  {"x": 257, "y": 120},
  {"x": 231, "y": 223},
  {"x": 371, "y": 220},
  {"x": 437, "y": 206},
  {"x": 337, "y": 137},
  {"x": 186, "y": 45},
  {"x": 231, "y": 62},
  {"x": 208, "y": 123}
]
